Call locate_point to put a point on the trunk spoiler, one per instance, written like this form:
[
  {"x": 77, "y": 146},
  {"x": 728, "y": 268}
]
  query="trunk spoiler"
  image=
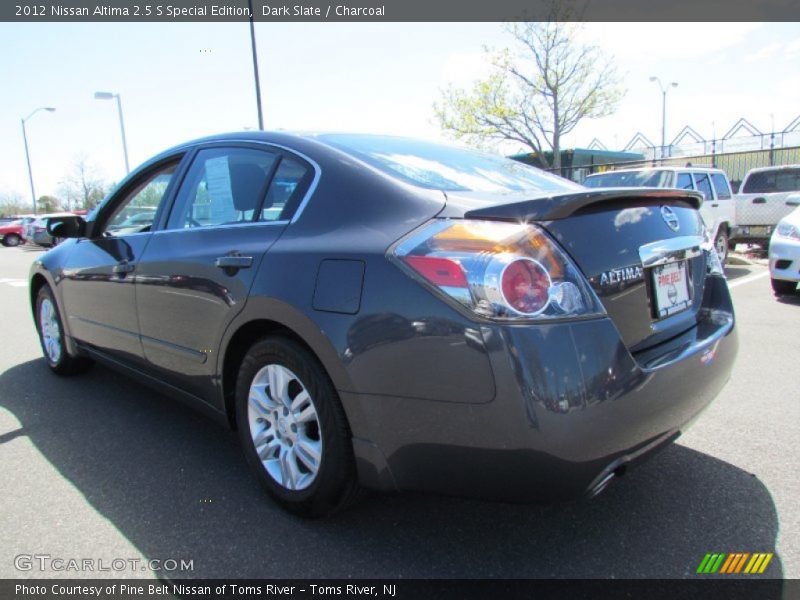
[{"x": 551, "y": 208}]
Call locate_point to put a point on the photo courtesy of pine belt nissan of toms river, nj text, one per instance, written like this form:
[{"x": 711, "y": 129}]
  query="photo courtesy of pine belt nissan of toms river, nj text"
[{"x": 381, "y": 313}]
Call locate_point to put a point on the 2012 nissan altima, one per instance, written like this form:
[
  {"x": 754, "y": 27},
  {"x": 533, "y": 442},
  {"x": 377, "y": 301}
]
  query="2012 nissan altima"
[{"x": 385, "y": 313}]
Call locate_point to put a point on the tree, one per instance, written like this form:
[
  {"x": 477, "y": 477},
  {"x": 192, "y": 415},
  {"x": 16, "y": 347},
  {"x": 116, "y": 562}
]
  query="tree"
[
  {"x": 82, "y": 188},
  {"x": 48, "y": 204},
  {"x": 536, "y": 94},
  {"x": 12, "y": 203}
]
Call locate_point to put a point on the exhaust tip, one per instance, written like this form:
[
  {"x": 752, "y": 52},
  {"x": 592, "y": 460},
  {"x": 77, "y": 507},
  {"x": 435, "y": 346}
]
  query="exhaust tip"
[{"x": 605, "y": 479}]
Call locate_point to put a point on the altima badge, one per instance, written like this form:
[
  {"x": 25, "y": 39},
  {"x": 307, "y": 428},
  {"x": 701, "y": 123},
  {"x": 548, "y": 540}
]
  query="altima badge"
[
  {"x": 623, "y": 275},
  {"x": 670, "y": 218}
]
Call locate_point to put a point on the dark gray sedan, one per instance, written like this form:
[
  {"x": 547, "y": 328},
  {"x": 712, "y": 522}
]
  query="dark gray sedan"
[{"x": 385, "y": 313}]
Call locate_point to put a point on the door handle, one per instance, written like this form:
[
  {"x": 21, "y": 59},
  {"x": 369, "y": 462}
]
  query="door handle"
[
  {"x": 715, "y": 205},
  {"x": 234, "y": 261},
  {"x": 759, "y": 201},
  {"x": 123, "y": 268}
]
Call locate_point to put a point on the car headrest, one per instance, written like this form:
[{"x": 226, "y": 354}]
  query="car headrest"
[{"x": 247, "y": 186}]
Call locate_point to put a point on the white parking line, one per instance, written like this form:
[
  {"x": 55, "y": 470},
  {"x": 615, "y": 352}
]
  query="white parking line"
[
  {"x": 748, "y": 279},
  {"x": 14, "y": 282}
]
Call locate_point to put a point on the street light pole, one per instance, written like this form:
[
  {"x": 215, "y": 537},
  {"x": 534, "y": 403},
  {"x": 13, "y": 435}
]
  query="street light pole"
[
  {"x": 28, "y": 154},
  {"x": 109, "y": 96},
  {"x": 255, "y": 67},
  {"x": 664, "y": 90}
]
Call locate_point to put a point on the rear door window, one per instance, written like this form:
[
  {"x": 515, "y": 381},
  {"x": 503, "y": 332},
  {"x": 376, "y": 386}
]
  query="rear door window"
[
  {"x": 765, "y": 182},
  {"x": 721, "y": 186},
  {"x": 684, "y": 182},
  {"x": 703, "y": 184},
  {"x": 224, "y": 186}
]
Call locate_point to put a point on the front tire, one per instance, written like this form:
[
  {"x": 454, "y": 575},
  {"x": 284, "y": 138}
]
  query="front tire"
[
  {"x": 11, "y": 240},
  {"x": 51, "y": 336},
  {"x": 293, "y": 429},
  {"x": 783, "y": 288},
  {"x": 721, "y": 244}
]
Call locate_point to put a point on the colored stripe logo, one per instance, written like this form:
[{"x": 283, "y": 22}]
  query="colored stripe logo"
[{"x": 735, "y": 562}]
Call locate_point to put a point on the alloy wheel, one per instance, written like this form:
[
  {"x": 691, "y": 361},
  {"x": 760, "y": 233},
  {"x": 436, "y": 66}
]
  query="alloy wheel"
[
  {"x": 284, "y": 427},
  {"x": 51, "y": 330}
]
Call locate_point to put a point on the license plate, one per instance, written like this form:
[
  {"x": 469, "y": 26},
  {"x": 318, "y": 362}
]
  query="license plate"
[
  {"x": 765, "y": 231},
  {"x": 671, "y": 287}
]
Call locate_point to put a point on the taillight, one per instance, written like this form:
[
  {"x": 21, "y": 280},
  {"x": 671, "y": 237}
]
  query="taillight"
[{"x": 498, "y": 270}]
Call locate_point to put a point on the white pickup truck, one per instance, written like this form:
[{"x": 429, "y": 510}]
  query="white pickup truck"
[{"x": 767, "y": 194}]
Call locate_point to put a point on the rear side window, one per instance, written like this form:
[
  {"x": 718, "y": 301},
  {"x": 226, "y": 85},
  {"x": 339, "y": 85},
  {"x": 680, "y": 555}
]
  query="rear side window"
[
  {"x": 224, "y": 186},
  {"x": 721, "y": 185},
  {"x": 286, "y": 190},
  {"x": 703, "y": 183},
  {"x": 684, "y": 182},
  {"x": 765, "y": 182}
]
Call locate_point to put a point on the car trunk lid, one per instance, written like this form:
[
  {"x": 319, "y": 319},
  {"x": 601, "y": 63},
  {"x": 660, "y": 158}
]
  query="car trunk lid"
[{"x": 633, "y": 246}]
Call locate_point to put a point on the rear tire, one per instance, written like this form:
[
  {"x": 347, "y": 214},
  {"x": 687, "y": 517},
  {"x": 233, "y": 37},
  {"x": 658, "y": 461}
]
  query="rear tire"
[
  {"x": 11, "y": 240},
  {"x": 51, "y": 337},
  {"x": 783, "y": 288},
  {"x": 295, "y": 438}
]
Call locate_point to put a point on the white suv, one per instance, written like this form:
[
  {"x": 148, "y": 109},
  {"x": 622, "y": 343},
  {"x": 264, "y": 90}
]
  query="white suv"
[
  {"x": 766, "y": 196},
  {"x": 718, "y": 211}
]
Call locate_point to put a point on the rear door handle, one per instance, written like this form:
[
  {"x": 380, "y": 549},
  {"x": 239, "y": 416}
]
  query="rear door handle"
[
  {"x": 234, "y": 261},
  {"x": 715, "y": 205},
  {"x": 759, "y": 201},
  {"x": 123, "y": 268}
]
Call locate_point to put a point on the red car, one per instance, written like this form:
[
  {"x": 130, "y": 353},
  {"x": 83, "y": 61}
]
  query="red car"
[{"x": 11, "y": 233}]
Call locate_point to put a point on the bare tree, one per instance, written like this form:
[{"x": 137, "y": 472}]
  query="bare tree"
[
  {"x": 82, "y": 187},
  {"x": 537, "y": 93},
  {"x": 12, "y": 203}
]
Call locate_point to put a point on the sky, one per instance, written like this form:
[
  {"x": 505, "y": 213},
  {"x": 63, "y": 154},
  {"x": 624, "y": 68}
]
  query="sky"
[{"x": 180, "y": 81}]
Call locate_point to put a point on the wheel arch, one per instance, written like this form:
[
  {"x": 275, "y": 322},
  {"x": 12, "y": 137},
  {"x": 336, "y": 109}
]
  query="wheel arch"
[{"x": 246, "y": 331}]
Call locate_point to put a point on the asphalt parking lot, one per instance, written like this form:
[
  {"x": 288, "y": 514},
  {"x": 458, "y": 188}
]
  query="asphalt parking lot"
[{"x": 101, "y": 467}]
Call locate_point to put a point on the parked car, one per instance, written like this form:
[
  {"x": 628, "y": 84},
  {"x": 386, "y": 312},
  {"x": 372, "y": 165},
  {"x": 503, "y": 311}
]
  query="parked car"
[
  {"x": 37, "y": 232},
  {"x": 12, "y": 232},
  {"x": 763, "y": 200},
  {"x": 718, "y": 211},
  {"x": 784, "y": 253},
  {"x": 392, "y": 314}
]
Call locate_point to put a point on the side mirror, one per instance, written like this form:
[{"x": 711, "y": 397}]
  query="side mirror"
[{"x": 66, "y": 227}]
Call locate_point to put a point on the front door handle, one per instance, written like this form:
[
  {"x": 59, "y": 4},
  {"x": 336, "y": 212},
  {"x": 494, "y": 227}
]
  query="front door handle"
[
  {"x": 759, "y": 201},
  {"x": 715, "y": 205},
  {"x": 123, "y": 268}
]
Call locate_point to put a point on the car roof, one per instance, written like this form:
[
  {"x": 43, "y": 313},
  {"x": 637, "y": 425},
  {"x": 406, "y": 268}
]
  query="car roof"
[
  {"x": 56, "y": 214},
  {"x": 773, "y": 168}
]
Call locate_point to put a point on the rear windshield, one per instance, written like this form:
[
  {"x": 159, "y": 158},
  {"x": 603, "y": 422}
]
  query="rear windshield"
[
  {"x": 447, "y": 168},
  {"x": 629, "y": 179},
  {"x": 765, "y": 182}
]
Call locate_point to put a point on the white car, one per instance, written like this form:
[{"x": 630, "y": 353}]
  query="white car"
[
  {"x": 763, "y": 200},
  {"x": 717, "y": 211},
  {"x": 784, "y": 254}
]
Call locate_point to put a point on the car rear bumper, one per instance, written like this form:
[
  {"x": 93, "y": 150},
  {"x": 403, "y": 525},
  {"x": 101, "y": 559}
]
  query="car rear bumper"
[
  {"x": 755, "y": 234},
  {"x": 784, "y": 259},
  {"x": 573, "y": 405}
]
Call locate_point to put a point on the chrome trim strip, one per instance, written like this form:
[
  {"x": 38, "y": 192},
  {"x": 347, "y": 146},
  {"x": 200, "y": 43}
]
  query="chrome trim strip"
[
  {"x": 222, "y": 226},
  {"x": 671, "y": 250}
]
